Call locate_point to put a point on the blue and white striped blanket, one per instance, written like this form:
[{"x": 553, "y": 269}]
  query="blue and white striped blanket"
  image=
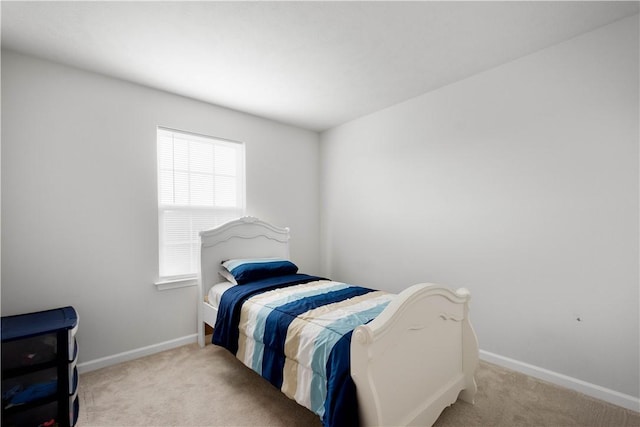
[{"x": 295, "y": 331}]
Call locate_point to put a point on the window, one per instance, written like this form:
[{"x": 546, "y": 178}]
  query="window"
[{"x": 200, "y": 186}]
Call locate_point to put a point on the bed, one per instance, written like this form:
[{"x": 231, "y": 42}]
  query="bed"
[{"x": 407, "y": 363}]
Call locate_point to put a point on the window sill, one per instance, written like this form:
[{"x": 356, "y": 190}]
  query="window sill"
[{"x": 183, "y": 282}]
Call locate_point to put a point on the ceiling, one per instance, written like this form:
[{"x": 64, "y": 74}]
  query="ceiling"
[{"x": 314, "y": 65}]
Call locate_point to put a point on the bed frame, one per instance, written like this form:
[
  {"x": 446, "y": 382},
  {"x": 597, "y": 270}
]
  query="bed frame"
[{"x": 424, "y": 334}]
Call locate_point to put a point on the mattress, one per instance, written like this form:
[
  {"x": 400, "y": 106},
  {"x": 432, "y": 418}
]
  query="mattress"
[{"x": 216, "y": 291}]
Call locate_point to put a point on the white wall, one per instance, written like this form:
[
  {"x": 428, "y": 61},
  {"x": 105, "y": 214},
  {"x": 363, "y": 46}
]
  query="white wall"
[
  {"x": 521, "y": 184},
  {"x": 79, "y": 205}
]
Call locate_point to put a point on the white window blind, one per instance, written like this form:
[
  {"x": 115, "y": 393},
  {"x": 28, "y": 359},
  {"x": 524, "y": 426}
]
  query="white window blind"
[{"x": 200, "y": 186}]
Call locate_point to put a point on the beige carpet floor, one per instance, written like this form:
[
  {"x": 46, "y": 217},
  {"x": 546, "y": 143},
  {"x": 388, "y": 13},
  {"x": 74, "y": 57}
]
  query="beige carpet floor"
[{"x": 189, "y": 386}]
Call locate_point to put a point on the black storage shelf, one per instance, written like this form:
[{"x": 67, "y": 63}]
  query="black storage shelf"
[
  {"x": 33, "y": 404},
  {"x": 22, "y": 370},
  {"x": 39, "y": 376}
]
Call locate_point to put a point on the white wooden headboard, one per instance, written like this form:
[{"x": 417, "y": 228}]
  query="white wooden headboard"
[{"x": 246, "y": 237}]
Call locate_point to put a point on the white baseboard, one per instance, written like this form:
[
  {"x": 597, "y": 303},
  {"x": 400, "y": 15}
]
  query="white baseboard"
[
  {"x": 593, "y": 390},
  {"x": 103, "y": 362}
]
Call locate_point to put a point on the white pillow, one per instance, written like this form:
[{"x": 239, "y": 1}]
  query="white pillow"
[{"x": 228, "y": 276}]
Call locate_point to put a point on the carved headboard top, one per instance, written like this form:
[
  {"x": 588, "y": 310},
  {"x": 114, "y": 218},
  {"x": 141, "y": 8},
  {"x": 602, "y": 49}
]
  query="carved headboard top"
[{"x": 247, "y": 227}]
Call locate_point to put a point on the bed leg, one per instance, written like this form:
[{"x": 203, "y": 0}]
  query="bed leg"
[
  {"x": 470, "y": 353},
  {"x": 470, "y": 363},
  {"x": 469, "y": 393}
]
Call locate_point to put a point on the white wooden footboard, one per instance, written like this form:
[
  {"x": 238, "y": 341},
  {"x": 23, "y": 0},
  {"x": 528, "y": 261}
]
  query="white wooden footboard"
[{"x": 414, "y": 359}]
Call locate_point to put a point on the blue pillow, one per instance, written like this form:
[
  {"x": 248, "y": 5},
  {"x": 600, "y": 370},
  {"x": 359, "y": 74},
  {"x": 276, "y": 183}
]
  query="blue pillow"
[{"x": 248, "y": 270}]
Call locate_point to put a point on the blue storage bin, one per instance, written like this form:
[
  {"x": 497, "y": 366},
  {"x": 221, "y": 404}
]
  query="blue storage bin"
[{"x": 39, "y": 372}]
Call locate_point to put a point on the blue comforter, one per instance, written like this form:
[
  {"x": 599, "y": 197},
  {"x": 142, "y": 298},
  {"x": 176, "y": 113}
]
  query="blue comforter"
[{"x": 295, "y": 331}]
